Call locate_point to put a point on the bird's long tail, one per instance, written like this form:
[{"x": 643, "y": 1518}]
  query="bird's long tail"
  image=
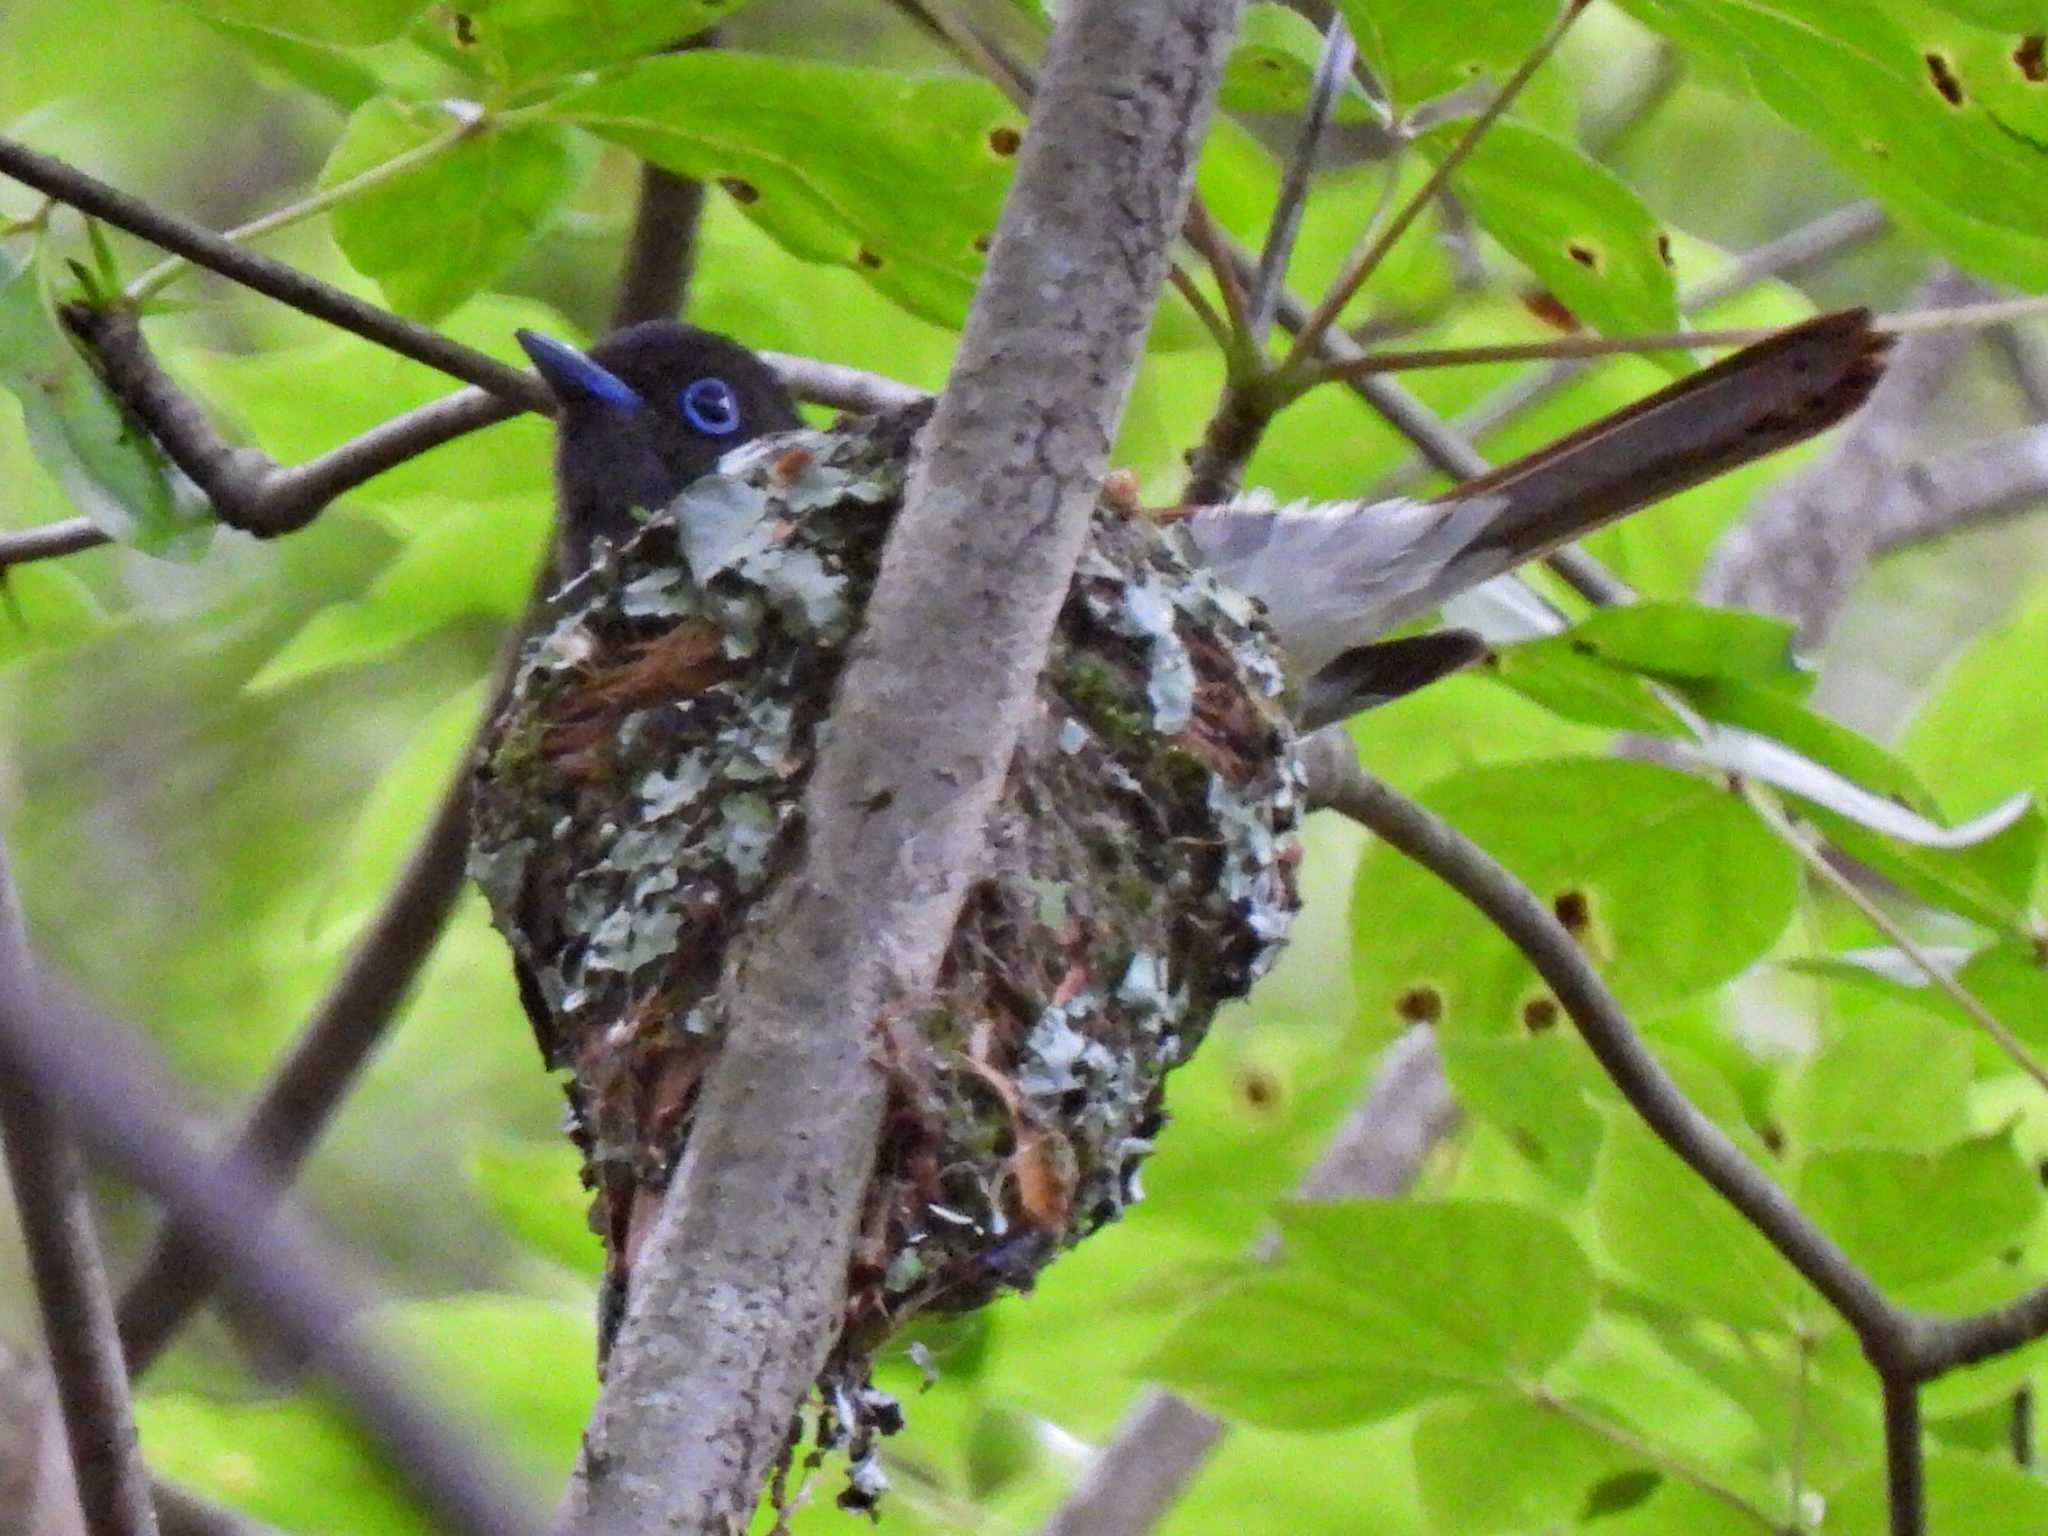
[{"x": 1749, "y": 404}]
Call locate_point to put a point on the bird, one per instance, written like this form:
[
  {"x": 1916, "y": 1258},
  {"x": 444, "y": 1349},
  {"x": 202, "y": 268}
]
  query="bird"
[
  {"x": 655, "y": 406},
  {"x": 638, "y": 794}
]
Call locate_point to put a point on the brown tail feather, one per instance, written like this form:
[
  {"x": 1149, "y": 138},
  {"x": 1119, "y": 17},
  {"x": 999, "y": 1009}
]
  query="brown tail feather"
[{"x": 1749, "y": 404}]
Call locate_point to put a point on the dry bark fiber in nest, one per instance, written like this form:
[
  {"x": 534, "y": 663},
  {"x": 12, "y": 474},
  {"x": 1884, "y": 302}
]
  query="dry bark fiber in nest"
[{"x": 641, "y": 792}]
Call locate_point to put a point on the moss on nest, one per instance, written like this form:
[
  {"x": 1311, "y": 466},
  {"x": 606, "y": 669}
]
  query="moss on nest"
[{"x": 642, "y": 787}]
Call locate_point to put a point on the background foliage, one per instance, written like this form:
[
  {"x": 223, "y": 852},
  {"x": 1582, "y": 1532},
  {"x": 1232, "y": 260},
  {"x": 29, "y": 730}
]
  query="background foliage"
[{"x": 212, "y": 769}]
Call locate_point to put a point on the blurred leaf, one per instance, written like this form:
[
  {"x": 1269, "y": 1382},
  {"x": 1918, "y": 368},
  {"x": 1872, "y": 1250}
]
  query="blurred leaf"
[
  {"x": 819, "y": 155},
  {"x": 322, "y": 68},
  {"x": 440, "y": 231},
  {"x": 1272, "y": 67},
  {"x": 2018, "y": 15},
  {"x": 113, "y": 474},
  {"x": 519, "y": 1366},
  {"x": 43, "y": 606},
  {"x": 1888, "y": 1081},
  {"x": 1542, "y": 1471},
  {"x": 1421, "y": 48},
  {"x": 1965, "y": 1494},
  {"x": 1584, "y": 232},
  {"x": 350, "y": 23},
  {"x": 474, "y": 558},
  {"x": 1984, "y": 723},
  {"x": 518, "y": 41},
  {"x": 1377, "y": 1306},
  {"x": 1556, "y": 674},
  {"x": 1671, "y": 884},
  {"x": 536, "y": 1190},
  {"x": 1912, "y": 1217},
  {"x": 1663, "y": 1227},
  {"x": 1688, "y": 640},
  {"x": 1537, "y": 1092}
]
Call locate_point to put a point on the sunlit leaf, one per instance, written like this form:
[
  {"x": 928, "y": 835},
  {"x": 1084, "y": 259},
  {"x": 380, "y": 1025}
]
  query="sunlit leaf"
[
  {"x": 518, "y": 41},
  {"x": 43, "y": 606},
  {"x": 351, "y": 23},
  {"x": 819, "y": 154},
  {"x": 1272, "y": 66},
  {"x": 1977, "y": 1494},
  {"x": 1419, "y": 48},
  {"x": 1542, "y": 1470},
  {"x": 536, "y": 1189},
  {"x": 448, "y": 226}
]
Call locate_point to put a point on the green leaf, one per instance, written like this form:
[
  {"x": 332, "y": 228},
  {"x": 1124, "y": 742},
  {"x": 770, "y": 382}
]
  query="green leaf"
[
  {"x": 473, "y": 558},
  {"x": 42, "y": 607},
  {"x": 444, "y": 228},
  {"x": 820, "y": 154},
  {"x": 349, "y": 23},
  {"x": 1581, "y": 229},
  {"x": 1377, "y": 1306},
  {"x": 1536, "y": 1091},
  {"x": 1914, "y": 1217},
  {"x": 1674, "y": 640},
  {"x": 1578, "y": 685},
  {"x": 520, "y": 41},
  {"x": 1966, "y": 1495},
  {"x": 1886, "y": 89},
  {"x": 1541, "y": 1470},
  {"x": 1272, "y": 67},
  {"x": 1673, "y": 884},
  {"x": 520, "y": 1366},
  {"x": 113, "y": 474},
  {"x": 1664, "y": 1228},
  {"x": 536, "y": 1190},
  {"x": 1423, "y": 48},
  {"x": 1889, "y": 1080},
  {"x": 1984, "y": 723}
]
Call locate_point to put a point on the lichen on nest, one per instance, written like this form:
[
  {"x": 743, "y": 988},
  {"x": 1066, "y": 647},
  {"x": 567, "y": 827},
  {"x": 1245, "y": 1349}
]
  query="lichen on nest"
[{"x": 641, "y": 789}]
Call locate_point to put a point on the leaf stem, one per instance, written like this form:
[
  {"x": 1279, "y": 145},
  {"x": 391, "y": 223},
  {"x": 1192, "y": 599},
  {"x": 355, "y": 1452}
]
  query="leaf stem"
[
  {"x": 1373, "y": 249},
  {"x": 470, "y": 120}
]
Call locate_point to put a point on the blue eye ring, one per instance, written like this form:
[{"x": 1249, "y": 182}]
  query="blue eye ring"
[{"x": 710, "y": 406}]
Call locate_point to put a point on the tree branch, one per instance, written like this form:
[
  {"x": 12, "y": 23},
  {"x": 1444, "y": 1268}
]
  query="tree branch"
[
  {"x": 62, "y": 1049},
  {"x": 1376, "y": 1154},
  {"x": 1336, "y": 779},
  {"x": 739, "y": 1288},
  {"x": 48, "y": 1179}
]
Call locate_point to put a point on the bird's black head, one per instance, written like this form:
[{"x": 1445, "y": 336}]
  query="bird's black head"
[{"x": 643, "y": 413}]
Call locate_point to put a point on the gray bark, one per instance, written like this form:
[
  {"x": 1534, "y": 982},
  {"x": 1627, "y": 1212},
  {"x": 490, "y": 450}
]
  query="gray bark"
[{"x": 738, "y": 1291}]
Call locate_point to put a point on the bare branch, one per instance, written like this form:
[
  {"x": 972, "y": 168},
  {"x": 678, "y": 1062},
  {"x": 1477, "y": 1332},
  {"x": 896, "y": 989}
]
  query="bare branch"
[
  {"x": 662, "y": 247},
  {"x": 1970, "y": 487},
  {"x": 1803, "y": 547},
  {"x": 1376, "y": 1154},
  {"x": 1363, "y": 262},
  {"x": 50, "y": 541},
  {"x": 48, "y": 1178},
  {"x": 1905, "y": 1475},
  {"x": 304, "y": 1091},
  {"x": 252, "y": 270},
  {"x": 55, "y": 1043},
  {"x": 1333, "y": 74},
  {"x": 739, "y": 1288}
]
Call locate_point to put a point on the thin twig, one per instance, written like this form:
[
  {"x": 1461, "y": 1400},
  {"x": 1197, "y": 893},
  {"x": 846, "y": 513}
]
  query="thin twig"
[
  {"x": 1364, "y": 261},
  {"x": 1795, "y": 251},
  {"x": 55, "y": 1043},
  {"x": 469, "y": 120},
  {"x": 1333, "y": 75},
  {"x": 253, "y": 270},
  {"x": 1337, "y": 780},
  {"x": 1766, "y": 805},
  {"x": 65, "y": 537},
  {"x": 76, "y": 1303}
]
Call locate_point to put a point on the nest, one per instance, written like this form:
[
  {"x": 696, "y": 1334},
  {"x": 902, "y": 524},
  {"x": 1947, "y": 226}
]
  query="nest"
[{"x": 641, "y": 791}]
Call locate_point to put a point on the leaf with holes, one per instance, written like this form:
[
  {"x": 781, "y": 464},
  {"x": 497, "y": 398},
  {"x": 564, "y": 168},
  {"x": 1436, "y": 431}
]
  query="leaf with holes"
[
  {"x": 1670, "y": 883},
  {"x": 436, "y": 233},
  {"x": 1272, "y": 67},
  {"x": 1589, "y": 239},
  {"x": 113, "y": 474},
  {"x": 520, "y": 41},
  {"x": 819, "y": 156},
  {"x": 1423, "y": 48}
]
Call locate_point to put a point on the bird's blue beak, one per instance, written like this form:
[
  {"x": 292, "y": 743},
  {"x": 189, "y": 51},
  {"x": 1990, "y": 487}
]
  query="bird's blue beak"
[{"x": 575, "y": 378}]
